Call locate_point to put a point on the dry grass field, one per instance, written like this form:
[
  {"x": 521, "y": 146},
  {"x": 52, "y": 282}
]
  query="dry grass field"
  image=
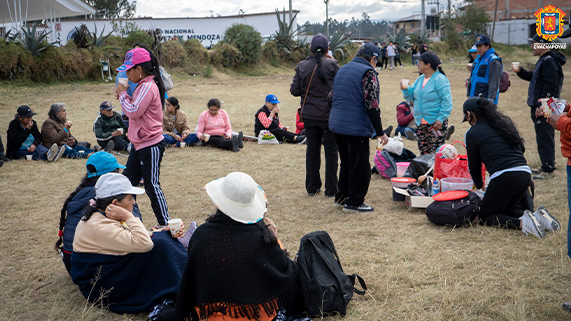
[{"x": 414, "y": 269}]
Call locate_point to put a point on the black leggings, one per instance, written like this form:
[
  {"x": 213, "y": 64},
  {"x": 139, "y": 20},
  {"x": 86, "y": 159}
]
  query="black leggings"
[
  {"x": 283, "y": 135},
  {"x": 220, "y": 142},
  {"x": 501, "y": 201}
]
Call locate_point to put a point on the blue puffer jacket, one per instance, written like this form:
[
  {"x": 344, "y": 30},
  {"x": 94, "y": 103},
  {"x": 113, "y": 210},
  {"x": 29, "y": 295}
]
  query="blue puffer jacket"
[
  {"x": 433, "y": 102},
  {"x": 348, "y": 114},
  {"x": 75, "y": 213}
]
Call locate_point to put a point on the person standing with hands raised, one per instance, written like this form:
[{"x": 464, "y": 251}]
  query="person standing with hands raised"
[{"x": 145, "y": 112}]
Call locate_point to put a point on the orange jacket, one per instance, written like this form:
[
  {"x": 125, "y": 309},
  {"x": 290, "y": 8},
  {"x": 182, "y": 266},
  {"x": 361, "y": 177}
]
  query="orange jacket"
[{"x": 564, "y": 125}]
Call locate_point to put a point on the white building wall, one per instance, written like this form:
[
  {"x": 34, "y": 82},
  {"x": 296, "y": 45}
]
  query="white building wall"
[
  {"x": 514, "y": 32},
  {"x": 209, "y": 30}
]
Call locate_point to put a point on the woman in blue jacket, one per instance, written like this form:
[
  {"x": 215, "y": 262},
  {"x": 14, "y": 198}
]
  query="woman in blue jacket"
[
  {"x": 97, "y": 164},
  {"x": 432, "y": 103}
]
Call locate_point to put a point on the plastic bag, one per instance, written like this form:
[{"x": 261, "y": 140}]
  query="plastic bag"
[
  {"x": 266, "y": 137},
  {"x": 167, "y": 78},
  {"x": 458, "y": 167},
  {"x": 394, "y": 145}
]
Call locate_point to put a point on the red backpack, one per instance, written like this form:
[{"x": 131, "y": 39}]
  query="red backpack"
[{"x": 504, "y": 81}]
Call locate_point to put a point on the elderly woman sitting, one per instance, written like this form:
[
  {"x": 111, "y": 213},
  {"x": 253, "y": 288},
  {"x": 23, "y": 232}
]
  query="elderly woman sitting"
[
  {"x": 56, "y": 130},
  {"x": 115, "y": 262},
  {"x": 175, "y": 124},
  {"x": 236, "y": 268},
  {"x": 214, "y": 128}
]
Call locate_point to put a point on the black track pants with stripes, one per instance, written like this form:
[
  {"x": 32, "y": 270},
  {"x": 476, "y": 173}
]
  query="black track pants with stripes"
[{"x": 146, "y": 163}]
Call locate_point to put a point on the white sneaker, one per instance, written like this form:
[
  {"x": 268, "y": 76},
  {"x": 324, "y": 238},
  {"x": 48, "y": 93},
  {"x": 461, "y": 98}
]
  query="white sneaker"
[
  {"x": 304, "y": 141},
  {"x": 52, "y": 152},
  {"x": 529, "y": 224},
  {"x": 357, "y": 209},
  {"x": 547, "y": 221}
]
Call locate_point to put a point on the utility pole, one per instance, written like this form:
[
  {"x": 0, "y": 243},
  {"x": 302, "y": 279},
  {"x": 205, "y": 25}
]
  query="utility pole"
[
  {"x": 422, "y": 19},
  {"x": 494, "y": 24},
  {"x": 327, "y": 18},
  {"x": 290, "y": 15},
  {"x": 449, "y": 10}
]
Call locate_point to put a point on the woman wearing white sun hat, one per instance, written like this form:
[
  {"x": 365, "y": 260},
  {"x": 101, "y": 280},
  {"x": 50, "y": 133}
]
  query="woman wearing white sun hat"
[
  {"x": 236, "y": 268},
  {"x": 114, "y": 255}
]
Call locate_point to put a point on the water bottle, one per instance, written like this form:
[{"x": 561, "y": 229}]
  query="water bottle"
[{"x": 435, "y": 187}]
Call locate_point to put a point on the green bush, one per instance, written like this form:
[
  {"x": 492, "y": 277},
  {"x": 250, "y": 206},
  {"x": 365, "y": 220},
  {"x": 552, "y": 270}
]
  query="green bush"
[
  {"x": 196, "y": 52},
  {"x": 139, "y": 36},
  {"x": 174, "y": 54},
  {"x": 270, "y": 51},
  {"x": 247, "y": 40},
  {"x": 226, "y": 55},
  {"x": 15, "y": 61}
]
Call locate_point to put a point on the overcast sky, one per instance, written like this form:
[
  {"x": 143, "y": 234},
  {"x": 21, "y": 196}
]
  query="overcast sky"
[{"x": 313, "y": 11}]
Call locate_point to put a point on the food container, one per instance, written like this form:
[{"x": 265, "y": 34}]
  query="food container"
[
  {"x": 400, "y": 182},
  {"x": 455, "y": 183},
  {"x": 401, "y": 168}
]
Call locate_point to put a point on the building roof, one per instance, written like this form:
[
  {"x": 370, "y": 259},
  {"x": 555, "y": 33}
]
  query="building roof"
[
  {"x": 38, "y": 9},
  {"x": 414, "y": 17},
  {"x": 215, "y": 17}
]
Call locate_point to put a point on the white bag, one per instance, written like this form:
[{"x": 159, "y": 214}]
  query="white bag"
[
  {"x": 167, "y": 78},
  {"x": 394, "y": 145},
  {"x": 266, "y": 137}
]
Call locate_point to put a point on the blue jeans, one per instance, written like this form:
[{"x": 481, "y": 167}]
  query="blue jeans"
[
  {"x": 402, "y": 130},
  {"x": 38, "y": 154},
  {"x": 191, "y": 139},
  {"x": 569, "y": 204},
  {"x": 73, "y": 152}
]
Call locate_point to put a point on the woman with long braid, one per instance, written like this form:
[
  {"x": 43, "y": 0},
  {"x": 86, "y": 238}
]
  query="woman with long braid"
[
  {"x": 98, "y": 164},
  {"x": 312, "y": 82}
]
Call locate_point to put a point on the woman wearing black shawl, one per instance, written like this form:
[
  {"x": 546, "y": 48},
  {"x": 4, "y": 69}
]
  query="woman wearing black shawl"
[{"x": 236, "y": 268}]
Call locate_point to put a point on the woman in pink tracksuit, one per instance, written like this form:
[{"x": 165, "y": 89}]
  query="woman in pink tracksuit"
[{"x": 145, "y": 112}]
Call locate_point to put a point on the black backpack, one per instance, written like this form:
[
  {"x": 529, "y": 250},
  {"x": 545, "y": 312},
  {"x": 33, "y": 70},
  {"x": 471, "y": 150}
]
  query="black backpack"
[
  {"x": 323, "y": 286},
  {"x": 456, "y": 213}
]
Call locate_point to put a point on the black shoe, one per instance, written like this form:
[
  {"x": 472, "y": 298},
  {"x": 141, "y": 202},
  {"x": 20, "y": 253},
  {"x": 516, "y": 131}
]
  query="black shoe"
[
  {"x": 235, "y": 144},
  {"x": 314, "y": 193},
  {"x": 340, "y": 201},
  {"x": 109, "y": 147},
  {"x": 567, "y": 307},
  {"x": 1, "y": 163},
  {"x": 329, "y": 195},
  {"x": 241, "y": 139},
  {"x": 299, "y": 138},
  {"x": 388, "y": 131},
  {"x": 97, "y": 148},
  {"x": 4, "y": 158},
  {"x": 363, "y": 208}
]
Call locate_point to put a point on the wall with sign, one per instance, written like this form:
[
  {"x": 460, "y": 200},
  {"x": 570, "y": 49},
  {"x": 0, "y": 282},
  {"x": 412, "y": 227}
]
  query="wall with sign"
[{"x": 208, "y": 30}]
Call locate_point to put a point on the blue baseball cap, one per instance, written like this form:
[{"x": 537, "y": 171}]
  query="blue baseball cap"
[
  {"x": 483, "y": 40},
  {"x": 272, "y": 99},
  {"x": 103, "y": 162},
  {"x": 473, "y": 49},
  {"x": 372, "y": 50}
]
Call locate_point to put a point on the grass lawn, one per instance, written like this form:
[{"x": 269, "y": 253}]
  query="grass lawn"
[{"x": 414, "y": 270}]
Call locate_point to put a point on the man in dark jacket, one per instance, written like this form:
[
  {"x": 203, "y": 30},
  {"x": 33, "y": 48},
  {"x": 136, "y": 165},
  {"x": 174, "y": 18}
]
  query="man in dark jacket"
[
  {"x": 109, "y": 129},
  {"x": 312, "y": 82},
  {"x": 354, "y": 116},
  {"x": 545, "y": 81},
  {"x": 24, "y": 138}
]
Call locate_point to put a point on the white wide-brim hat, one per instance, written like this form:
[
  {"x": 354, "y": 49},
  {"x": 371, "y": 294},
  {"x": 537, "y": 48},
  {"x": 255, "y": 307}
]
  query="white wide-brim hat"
[
  {"x": 113, "y": 184},
  {"x": 239, "y": 197}
]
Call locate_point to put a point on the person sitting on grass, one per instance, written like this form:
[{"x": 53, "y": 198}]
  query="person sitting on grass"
[
  {"x": 299, "y": 124},
  {"x": 214, "y": 128},
  {"x": 25, "y": 139},
  {"x": 175, "y": 124},
  {"x": 98, "y": 164},
  {"x": 267, "y": 119},
  {"x": 56, "y": 130},
  {"x": 115, "y": 262},
  {"x": 109, "y": 129},
  {"x": 494, "y": 141},
  {"x": 405, "y": 119},
  {"x": 237, "y": 268}
]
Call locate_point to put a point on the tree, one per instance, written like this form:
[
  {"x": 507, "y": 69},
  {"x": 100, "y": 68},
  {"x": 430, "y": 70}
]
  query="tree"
[
  {"x": 247, "y": 40},
  {"x": 114, "y": 9},
  {"x": 473, "y": 21}
]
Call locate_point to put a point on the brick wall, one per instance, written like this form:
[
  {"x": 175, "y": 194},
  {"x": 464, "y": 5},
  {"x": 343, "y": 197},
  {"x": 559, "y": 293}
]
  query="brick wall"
[{"x": 511, "y": 9}]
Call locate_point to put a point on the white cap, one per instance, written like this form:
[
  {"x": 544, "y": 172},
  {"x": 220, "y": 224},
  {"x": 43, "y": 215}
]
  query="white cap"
[
  {"x": 113, "y": 184},
  {"x": 239, "y": 197}
]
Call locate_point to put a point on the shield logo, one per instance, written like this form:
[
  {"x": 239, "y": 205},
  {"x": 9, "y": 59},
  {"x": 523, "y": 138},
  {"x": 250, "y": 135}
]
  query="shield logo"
[{"x": 549, "y": 22}]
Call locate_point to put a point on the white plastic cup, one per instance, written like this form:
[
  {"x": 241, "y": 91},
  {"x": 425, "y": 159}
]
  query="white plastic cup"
[
  {"x": 175, "y": 225},
  {"x": 206, "y": 137},
  {"x": 515, "y": 65},
  {"x": 405, "y": 83},
  {"x": 182, "y": 144},
  {"x": 29, "y": 158},
  {"x": 124, "y": 81},
  {"x": 120, "y": 129},
  {"x": 470, "y": 66}
]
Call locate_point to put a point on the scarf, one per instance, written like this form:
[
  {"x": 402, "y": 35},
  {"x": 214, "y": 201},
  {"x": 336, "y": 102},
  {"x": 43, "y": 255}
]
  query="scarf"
[{"x": 231, "y": 270}]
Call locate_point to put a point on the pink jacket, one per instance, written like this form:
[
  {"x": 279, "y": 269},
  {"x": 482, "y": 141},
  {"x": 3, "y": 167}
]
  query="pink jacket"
[
  {"x": 145, "y": 114},
  {"x": 214, "y": 125}
]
